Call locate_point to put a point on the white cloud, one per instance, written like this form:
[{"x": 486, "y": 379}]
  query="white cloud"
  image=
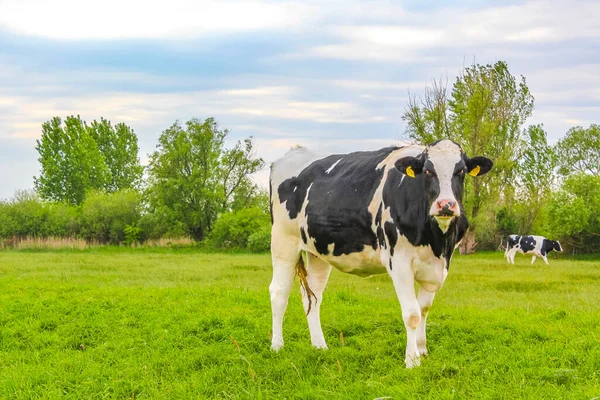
[
  {"x": 116, "y": 19},
  {"x": 412, "y": 35}
]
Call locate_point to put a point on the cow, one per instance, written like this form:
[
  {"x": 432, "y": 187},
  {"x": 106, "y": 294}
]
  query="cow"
[
  {"x": 396, "y": 210},
  {"x": 538, "y": 246}
]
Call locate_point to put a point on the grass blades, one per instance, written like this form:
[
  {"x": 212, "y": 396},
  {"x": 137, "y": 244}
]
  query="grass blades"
[{"x": 171, "y": 324}]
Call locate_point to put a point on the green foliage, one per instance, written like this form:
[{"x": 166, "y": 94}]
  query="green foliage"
[
  {"x": 71, "y": 163},
  {"x": 119, "y": 146},
  {"x": 159, "y": 324},
  {"x": 161, "y": 223},
  {"x": 260, "y": 240},
  {"x": 132, "y": 234},
  {"x": 105, "y": 216},
  {"x": 506, "y": 223},
  {"x": 233, "y": 229},
  {"x": 77, "y": 158},
  {"x": 573, "y": 213},
  {"x": 579, "y": 151},
  {"x": 26, "y": 215},
  {"x": 192, "y": 176}
]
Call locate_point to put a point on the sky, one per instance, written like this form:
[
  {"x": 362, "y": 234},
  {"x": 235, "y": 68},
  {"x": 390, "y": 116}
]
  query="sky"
[{"x": 333, "y": 75}]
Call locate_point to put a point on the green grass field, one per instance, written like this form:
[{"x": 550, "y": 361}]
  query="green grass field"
[{"x": 179, "y": 324}]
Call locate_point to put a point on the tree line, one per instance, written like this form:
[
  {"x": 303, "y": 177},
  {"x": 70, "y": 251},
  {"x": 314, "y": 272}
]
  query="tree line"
[{"x": 92, "y": 185}]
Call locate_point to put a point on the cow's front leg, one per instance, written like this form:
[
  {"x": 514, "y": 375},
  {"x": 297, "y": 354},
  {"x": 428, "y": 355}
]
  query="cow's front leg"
[
  {"x": 404, "y": 283},
  {"x": 425, "y": 299},
  {"x": 545, "y": 259},
  {"x": 532, "y": 259}
]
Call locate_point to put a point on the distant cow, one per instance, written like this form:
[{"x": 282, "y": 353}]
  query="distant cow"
[
  {"x": 396, "y": 210},
  {"x": 538, "y": 246}
]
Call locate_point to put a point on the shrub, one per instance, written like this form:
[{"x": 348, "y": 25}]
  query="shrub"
[
  {"x": 104, "y": 216},
  {"x": 260, "y": 240},
  {"x": 233, "y": 229}
]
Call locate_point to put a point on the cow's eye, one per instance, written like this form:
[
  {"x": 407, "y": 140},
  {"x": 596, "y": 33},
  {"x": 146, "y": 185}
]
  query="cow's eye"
[
  {"x": 461, "y": 172},
  {"x": 429, "y": 173}
]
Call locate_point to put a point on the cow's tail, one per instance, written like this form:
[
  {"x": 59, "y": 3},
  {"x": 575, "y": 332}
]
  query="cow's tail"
[{"x": 302, "y": 274}]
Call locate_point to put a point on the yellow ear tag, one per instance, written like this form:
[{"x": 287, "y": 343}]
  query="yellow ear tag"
[
  {"x": 410, "y": 172},
  {"x": 475, "y": 171}
]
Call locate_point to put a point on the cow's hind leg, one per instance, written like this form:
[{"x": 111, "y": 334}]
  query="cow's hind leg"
[
  {"x": 425, "y": 299},
  {"x": 285, "y": 254},
  {"x": 317, "y": 274},
  {"x": 532, "y": 259}
]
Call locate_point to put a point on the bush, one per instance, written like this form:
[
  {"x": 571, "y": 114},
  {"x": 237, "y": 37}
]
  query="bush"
[
  {"x": 234, "y": 229},
  {"x": 572, "y": 214},
  {"x": 26, "y": 216},
  {"x": 260, "y": 240},
  {"x": 104, "y": 216}
]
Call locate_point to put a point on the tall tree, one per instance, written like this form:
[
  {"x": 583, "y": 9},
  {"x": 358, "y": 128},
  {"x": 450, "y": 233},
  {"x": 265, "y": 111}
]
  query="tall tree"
[
  {"x": 76, "y": 158},
  {"x": 535, "y": 174},
  {"x": 193, "y": 177},
  {"x": 119, "y": 146},
  {"x": 236, "y": 166},
  {"x": 71, "y": 163},
  {"x": 579, "y": 151},
  {"x": 485, "y": 114}
]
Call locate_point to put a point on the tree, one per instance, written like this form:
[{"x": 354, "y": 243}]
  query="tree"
[
  {"x": 573, "y": 213},
  {"x": 536, "y": 177},
  {"x": 71, "y": 163},
  {"x": 236, "y": 166},
  {"x": 78, "y": 158},
  {"x": 579, "y": 151},
  {"x": 484, "y": 113},
  {"x": 119, "y": 146},
  {"x": 192, "y": 177}
]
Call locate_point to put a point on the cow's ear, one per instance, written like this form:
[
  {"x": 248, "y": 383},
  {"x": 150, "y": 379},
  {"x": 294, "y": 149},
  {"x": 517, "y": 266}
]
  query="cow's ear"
[
  {"x": 410, "y": 166},
  {"x": 479, "y": 165}
]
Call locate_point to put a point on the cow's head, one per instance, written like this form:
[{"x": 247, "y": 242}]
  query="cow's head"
[
  {"x": 556, "y": 246},
  {"x": 443, "y": 166}
]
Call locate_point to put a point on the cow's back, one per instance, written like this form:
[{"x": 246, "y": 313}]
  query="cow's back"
[{"x": 326, "y": 199}]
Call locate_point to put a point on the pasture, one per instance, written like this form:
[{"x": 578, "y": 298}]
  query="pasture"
[{"x": 177, "y": 324}]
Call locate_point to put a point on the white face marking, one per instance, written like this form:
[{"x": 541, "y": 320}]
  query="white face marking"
[
  {"x": 333, "y": 166},
  {"x": 444, "y": 156}
]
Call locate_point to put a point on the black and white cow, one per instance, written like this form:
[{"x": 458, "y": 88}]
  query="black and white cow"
[
  {"x": 396, "y": 210},
  {"x": 538, "y": 246}
]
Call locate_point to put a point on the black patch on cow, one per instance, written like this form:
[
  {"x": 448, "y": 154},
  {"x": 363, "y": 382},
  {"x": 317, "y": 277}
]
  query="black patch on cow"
[
  {"x": 271, "y": 201},
  {"x": 337, "y": 210},
  {"x": 410, "y": 199},
  {"x": 293, "y": 192},
  {"x": 303, "y": 234},
  {"x": 390, "y": 263},
  {"x": 378, "y": 216},
  {"x": 527, "y": 243},
  {"x": 547, "y": 246},
  {"x": 392, "y": 235},
  {"x": 513, "y": 241},
  {"x": 380, "y": 237}
]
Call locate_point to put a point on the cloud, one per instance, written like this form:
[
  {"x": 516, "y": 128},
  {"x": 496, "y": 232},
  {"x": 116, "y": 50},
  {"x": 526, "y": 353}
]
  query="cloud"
[
  {"x": 417, "y": 36},
  {"x": 118, "y": 19}
]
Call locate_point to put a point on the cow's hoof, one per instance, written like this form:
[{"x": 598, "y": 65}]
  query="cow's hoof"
[
  {"x": 413, "y": 361},
  {"x": 423, "y": 351},
  {"x": 320, "y": 346},
  {"x": 276, "y": 345}
]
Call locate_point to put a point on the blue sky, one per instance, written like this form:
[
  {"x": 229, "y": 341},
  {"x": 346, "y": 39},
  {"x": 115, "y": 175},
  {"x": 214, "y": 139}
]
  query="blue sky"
[{"x": 333, "y": 75}]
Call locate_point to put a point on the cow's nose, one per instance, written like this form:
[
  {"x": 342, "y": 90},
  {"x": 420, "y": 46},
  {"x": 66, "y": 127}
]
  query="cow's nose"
[{"x": 447, "y": 208}]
